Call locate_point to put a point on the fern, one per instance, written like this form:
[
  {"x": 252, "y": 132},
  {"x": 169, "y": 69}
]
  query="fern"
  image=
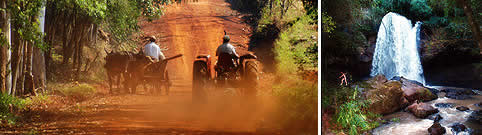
[{"x": 352, "y": 116}]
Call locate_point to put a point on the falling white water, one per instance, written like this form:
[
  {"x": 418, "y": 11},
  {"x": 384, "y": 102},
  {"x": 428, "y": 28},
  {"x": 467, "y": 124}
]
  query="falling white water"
[{"x": 396, "y": 51}]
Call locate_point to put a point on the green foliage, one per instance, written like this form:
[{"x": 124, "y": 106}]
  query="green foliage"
[
  {"x": 412, "y": 9},
  {"x": 420, "y": 10},
  {"x": 23, "y": 15},
  {"x": 118, "y": 17},
  {"x": 436, "y": 21},
  {"x": 328, "y": 23},
  {"x": 123, "y": 15},
  {"x": 38, "y": 100},
  {"x": 122, "y": 19},
  {"x": 395, "y": 119},
  {"x": 299, "y": 104},
  {"x": 296, "y": 48},
  {"x": 3, "y": 38},
  {"x": 273, "y": 14},
  {"x": 32, "y": 132},
  {"x": 79, "y": 92},
  {"x": 152, "y": 9},
  {"x": 311, "y": 8},
  {"x": 353, "y": 116},
  {"x": 450, "y": 17},
  {"x": 343, "y": 44},
  {"x": 8, "y": 103},
  {"x": 94, "y": 10}
]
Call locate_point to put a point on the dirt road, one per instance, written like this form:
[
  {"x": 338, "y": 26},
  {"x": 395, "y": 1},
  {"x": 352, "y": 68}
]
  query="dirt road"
[
  {"x": 189, "y": 29},
  {"x": 195, "y": 28}
]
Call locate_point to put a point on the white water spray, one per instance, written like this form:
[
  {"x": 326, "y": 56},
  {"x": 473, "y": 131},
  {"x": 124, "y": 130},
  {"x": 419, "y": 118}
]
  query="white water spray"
[{"x": 396, "y": 51}]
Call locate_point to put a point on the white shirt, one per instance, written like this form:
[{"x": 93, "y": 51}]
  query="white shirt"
[
  {"x": 226, "y": 48},
  {"x": 154, "y": 51}
]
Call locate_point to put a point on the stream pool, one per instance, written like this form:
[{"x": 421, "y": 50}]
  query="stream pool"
[{"x": 411, "y": 125}]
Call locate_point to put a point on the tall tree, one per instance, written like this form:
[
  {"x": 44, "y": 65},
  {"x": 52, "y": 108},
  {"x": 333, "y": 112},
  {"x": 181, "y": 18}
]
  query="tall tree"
[
  {"x": 3, "y": 46},
  {"x": 473, "y": 23},
  {"x": 25, "y": 36},
  {"x": 39, "y": 66}
]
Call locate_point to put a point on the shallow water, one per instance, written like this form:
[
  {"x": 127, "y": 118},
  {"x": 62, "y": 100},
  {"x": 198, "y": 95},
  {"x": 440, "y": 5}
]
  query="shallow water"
[{"x": 411, "y": 125}]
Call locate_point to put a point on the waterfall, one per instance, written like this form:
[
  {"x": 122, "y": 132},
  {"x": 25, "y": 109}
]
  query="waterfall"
[{"x": 396, "y": 52}]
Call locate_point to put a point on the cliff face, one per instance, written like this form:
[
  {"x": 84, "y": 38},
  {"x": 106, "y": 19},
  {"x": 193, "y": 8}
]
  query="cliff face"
[
  {"x": 452, "y": 63},
  {"x": 446, "y": 62}
]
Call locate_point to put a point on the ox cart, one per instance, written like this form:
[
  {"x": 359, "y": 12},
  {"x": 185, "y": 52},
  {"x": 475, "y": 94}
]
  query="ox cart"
[{"x": 156, "y": 75}]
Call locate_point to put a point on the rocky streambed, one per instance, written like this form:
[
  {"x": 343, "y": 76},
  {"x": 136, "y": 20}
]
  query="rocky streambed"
[{"x": 409, "y": 108}]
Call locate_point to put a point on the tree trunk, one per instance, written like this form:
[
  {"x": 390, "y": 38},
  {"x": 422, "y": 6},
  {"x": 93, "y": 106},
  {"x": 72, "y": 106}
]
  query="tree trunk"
[
  {"x": 473, "y": 23},
  {"x": 3, "y": 47},
  {"x": 79, "y": 61},
  {"x": 38, "y": 67},
  {"x": 9, "y": 55},
  {"x": 51, "y": 25},
  {"x": 23, "y": 68},
  {"x": 69, "y": 30},
  {"x": 17, "y": 45},
  {"x": 28, "y": 77},
  {"x": 79, "y": 47}
]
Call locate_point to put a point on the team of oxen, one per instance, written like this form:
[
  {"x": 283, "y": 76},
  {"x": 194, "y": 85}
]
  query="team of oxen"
[{"x": 135, "y": 69}]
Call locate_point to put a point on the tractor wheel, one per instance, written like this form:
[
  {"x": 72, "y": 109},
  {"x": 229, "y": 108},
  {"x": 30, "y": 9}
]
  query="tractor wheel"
[
  {"x": 250, "y": 78},
  {"x": 200, "y": 78}
]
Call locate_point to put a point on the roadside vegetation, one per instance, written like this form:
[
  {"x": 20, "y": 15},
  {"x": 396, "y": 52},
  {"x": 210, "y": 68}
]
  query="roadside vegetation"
[
  {"x": 290, "y": 26},
  {"x": 66, "y": 51}
]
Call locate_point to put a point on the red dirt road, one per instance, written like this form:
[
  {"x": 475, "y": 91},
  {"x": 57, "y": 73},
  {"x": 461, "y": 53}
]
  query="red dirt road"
[
  {"x": 196, "y": 28},
  {"x": 189, "y": 29}
]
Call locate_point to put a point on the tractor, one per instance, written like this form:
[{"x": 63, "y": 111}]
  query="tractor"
[{"x": 243, "y": 76}]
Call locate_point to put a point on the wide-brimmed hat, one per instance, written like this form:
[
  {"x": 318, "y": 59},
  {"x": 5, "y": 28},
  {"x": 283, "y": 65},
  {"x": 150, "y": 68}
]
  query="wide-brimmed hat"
[{"x": 151, "y": 38}]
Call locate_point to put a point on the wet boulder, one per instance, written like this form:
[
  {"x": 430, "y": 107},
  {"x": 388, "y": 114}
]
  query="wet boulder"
[
  {"x": 435, "y": 117},
  {"x": 462, "y": 108},
  {"x": 396, "y": 78},
  {"x": 413, "y": 90},
  {"x": 377, "y": 81},
  {"x": 433, "y": 90},
  {"x": 475, "y": 117},
  {"x": 459, "y": 94},
  {"x": 444, "y": 105},
  {"x": 385, "y": 96},
  {"x": 421, "y": 110},
  {"x": 478, "y": 104},
  {"x": 436, "y": 129},
  {"x": 401, "y": 79},
  {"x": 457, "y": 127}
]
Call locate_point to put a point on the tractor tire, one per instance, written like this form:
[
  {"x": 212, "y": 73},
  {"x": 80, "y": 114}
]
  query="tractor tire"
[
  {"x": 167, "y": 83},
  {"x": 250, "y": 78},
  {"x": 200, "y": 78}
]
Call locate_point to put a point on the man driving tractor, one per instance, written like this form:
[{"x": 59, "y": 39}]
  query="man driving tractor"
[
  {"x": 231, "y": 71},
  {"x": 227, "y": 56}
]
